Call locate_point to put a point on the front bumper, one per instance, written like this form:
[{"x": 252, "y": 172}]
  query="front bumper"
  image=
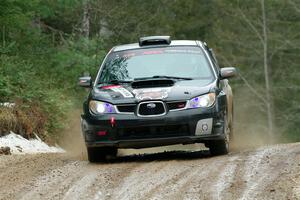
[{"x": 131, "y": 131}]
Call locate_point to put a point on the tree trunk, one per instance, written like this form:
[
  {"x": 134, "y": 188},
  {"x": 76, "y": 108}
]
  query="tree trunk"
[
  {"x": 266, "y": 71},
  {"x": 86, "y": 19},
  {"x": 3, "y": 37}
]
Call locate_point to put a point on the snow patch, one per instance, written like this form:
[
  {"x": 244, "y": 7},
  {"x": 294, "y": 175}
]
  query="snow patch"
[
  {"x": 8, "y": 105},
  {"x": 20, "y": 145}
]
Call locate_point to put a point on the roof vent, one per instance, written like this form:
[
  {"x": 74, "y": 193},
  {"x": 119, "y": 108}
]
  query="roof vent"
[{"x": 154, "y": 40}]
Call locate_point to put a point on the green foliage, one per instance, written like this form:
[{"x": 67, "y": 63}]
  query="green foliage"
[
  {"x": 40, "y": 64},
  {"x": 76, "y": 57}
]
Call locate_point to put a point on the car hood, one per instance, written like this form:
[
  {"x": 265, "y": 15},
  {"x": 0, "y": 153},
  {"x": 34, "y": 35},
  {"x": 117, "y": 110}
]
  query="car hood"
[{"x": 126, "y": 93}]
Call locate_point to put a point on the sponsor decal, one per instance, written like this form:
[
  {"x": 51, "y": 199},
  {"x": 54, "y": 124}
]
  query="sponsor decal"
[
  {"x": 186, "y": 51},
  {"x": 119, "y": 89},
  {"x": 151, "y": 93},
  {"x": 125, "y": 93},
  {"x": 129, "y": 55},
  {"x": 107, "y": 87},
  {"x": 153, "y": 52}
]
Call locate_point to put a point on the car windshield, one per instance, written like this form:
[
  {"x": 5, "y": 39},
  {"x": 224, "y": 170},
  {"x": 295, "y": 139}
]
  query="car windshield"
[{"x": 171, "y": 62}]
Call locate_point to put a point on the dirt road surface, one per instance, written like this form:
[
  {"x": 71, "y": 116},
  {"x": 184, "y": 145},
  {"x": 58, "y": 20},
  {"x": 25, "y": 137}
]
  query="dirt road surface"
[{"x": 271, "y": 172}]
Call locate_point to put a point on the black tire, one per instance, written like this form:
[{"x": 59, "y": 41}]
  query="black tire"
[
  {"x": 231, "y": 127},
  {"x": 221, "y": 147},
  {"x": 100, "y": 154},
  {"x": 218, "y": 147}
]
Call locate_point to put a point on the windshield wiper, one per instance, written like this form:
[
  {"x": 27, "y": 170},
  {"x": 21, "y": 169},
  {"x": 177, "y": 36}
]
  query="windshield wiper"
[
  {"x": 173, "y": 77},
  {"x": 167, "y": 77}
]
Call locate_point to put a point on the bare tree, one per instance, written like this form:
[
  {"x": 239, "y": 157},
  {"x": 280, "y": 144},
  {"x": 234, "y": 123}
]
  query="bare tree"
[
  {"x": 263, "y": 38},
  {"x": 266, "y": 70},
  {"x": 86, "y": 19}
]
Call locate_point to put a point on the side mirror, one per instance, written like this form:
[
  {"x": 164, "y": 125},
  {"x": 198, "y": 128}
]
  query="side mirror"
[
  {"x": 228, "y": 72},
  {"x": 85, "y": 81}
]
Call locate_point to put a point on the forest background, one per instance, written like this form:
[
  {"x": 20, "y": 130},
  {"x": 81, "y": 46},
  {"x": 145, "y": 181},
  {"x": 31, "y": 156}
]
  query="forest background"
[{"x": 45, "y": 45}]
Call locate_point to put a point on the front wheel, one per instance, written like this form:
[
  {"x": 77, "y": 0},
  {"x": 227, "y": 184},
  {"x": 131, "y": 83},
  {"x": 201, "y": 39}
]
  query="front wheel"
[
  {"x": 100, "y": 154},
  {"x": 218, "y": 147},
  {"x": 221, "y": 147}
]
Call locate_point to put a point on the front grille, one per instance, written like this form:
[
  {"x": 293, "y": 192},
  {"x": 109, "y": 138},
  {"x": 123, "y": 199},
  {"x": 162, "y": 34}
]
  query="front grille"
[
  {"x": 126, "y": 108},
  {"x": 153, "y": 132},
  {"x": 176, "y": 105},
  {"x": 151, "y": 108}
]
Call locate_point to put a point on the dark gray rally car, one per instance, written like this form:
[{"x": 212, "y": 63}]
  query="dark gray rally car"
[{"x": 158, "y": 92}]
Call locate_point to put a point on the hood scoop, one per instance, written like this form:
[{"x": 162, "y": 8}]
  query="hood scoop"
[{"x": 152, "y": 83}]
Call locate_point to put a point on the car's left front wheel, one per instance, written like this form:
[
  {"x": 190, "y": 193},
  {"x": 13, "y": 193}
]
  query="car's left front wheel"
[
  {"x": 100, "y": 154},
  {"x": 221, "y": 147}
]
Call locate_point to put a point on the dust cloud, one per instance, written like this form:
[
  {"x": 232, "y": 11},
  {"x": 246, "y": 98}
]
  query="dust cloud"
[
  {"x": 250, "y": 122},
  {"x": 72, "y": 140}
]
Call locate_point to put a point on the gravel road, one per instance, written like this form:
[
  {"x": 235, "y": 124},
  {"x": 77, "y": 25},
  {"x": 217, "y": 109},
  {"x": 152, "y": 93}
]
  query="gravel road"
[{"x": 271, "y": 172}]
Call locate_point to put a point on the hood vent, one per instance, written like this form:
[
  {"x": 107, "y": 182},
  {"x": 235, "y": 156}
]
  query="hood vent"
[{"x": 152, "y": 83}]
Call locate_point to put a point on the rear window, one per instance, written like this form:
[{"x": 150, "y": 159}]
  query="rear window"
[{"x": 187, "y": 62}]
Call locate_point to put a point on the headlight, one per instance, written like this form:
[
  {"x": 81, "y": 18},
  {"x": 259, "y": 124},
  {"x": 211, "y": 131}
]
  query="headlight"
[
  {"x": 98, "y": 107},
  {"x": 203, "y": 101}
]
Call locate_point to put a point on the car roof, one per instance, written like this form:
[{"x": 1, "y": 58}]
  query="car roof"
[{"x": 173, "y": 43}]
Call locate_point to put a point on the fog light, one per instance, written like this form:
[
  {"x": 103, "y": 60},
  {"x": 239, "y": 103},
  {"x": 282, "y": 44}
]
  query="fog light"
[{"x": 204, "y": 127}]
